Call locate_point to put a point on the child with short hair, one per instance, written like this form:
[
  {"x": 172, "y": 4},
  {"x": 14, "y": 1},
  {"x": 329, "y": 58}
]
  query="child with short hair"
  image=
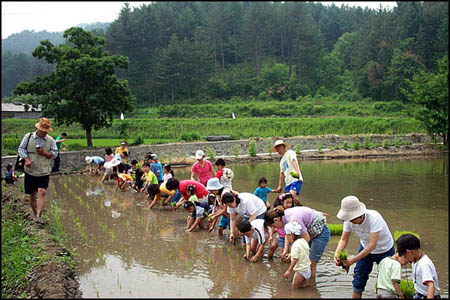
[
  {"x": 153, "y": 195},
  {"x": 425, "y": 277},
  {"x": 10, "y": 177},
  {"x": 262, "y": 190},
  {"x": 148, "y": 177},
  {"x": 137, "y": 172},
  {"x": 299, "y": 255},
  {"x": 196, "y": 213},
  {"x": 255, "y": 235},
  {"x": 225, "y": 175},
  {"x": 389, "y": 276}
]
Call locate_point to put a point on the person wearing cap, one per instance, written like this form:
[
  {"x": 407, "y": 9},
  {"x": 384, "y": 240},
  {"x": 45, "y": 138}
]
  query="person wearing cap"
[
  {"x": 39, "y": 150},
  {"x": 158, "y": 170},
  {"x": 219, "y": 210},
  {"x": 376, "y": 240},
  {"x": 97, "y": 161},
  {"x": 299, "y": 255},
  {"x": 255, "y": 234},
  {"x": 203, "y": 168},
  {"x": 289, "y": 170},
  {"x": 122, "y": 148}
]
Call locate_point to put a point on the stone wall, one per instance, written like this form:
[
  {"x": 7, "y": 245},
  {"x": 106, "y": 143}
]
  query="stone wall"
[{"x": 185, "y": 152}]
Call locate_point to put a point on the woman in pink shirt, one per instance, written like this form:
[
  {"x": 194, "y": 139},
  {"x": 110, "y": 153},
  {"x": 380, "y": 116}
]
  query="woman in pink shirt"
[{"x": 203, "y": 168}]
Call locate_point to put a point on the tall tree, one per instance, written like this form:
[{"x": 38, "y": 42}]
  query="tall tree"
[
  {"x": 83, "y": 88},
  {"x": 430, "y": 92}
]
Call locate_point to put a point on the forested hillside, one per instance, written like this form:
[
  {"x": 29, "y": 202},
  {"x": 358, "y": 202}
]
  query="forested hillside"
[{"x": 191, "y": 52}]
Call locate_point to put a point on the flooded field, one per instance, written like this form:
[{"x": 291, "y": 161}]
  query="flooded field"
[{"x": 125, "y": 250}]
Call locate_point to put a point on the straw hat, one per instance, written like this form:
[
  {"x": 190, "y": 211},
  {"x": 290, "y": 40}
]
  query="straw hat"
[
  {"x": 278, "y": 143},
  {"x": 351, "y": 208},
  {"x": 293, "y": 228},
  {"x": 43, "y": 125}
]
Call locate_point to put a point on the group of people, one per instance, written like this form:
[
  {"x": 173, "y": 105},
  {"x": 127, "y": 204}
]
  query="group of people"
[{"x": 210, "y": 201}]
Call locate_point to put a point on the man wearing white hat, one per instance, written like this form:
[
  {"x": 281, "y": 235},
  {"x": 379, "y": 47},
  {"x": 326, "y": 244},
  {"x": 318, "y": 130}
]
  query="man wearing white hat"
[
  {"x": 376, "y": 240},
  {"x": 203, "y": 168},
  {"x": 289, "y": 170}
]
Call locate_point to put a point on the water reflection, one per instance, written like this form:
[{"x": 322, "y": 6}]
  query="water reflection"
[{"x": 126, "y": 250}]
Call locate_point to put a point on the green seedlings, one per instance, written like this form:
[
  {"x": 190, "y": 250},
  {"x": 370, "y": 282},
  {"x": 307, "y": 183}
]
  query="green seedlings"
[
  {"x": 319, "y": 147},
  {"x": 342, "y": 256},
  {"x": 407, "y": 288},
  {"x": 336, "y": 229},
  {"x": 399, "y": 233}
]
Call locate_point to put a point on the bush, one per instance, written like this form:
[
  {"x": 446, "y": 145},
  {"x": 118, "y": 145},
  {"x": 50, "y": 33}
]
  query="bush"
[
  {"x": 345, "y": 146},
  {"x": 138, "y": 140},
  {"x": 235, "y": 150},
  {"x": 191, "y": 136},
  {"x": 355, "y": 146},
  {"x": 210, "y": 153},
  {"x": 367, "y": 143},
  {"x": 396, "y": 142},
  {"x": 385, "y": 144},
  {"x": 319, "y": 147},
  {"x": 252, "y": 148},
  {"x": 298, "y": 148}
]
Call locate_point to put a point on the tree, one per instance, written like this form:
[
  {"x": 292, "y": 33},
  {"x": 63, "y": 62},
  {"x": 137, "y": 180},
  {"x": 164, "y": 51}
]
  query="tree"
[
  {"x": 430, "y": 92},
  {"x": 83, "y": 88}
]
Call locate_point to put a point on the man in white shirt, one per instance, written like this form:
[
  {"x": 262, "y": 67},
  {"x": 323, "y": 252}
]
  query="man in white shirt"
[
  {"x": 289, "y": 170},
  {"x": 376, "y": 240}
]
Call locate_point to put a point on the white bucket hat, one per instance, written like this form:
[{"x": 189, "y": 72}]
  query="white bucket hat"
[
  {"x": 293, "y": 228},
  {"x": 351, "y": 208},
  {"x": 88, "y": 159},
  {"x": 278, "y": 143},
  {"x": 199, "y": 154},
  {"x": 213, "y": 184},
  {"x": 112, "y": 163}
]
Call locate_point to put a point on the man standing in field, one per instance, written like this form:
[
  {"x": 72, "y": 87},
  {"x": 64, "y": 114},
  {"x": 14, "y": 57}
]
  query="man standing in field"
[
  {"x": 289, "y": 170},
  {"x": 39, "y": 150}
]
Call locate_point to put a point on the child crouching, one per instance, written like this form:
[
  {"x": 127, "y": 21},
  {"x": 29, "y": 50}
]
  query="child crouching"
[{"x": 299, "y": 255}]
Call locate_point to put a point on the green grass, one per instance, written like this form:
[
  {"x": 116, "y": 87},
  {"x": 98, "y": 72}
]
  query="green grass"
[
  {"x": 336, "y": 229},
  {"x": 19, "y": 254},
  {"x": 399, "y": 233},
  {"x": 160, "y": 130}
]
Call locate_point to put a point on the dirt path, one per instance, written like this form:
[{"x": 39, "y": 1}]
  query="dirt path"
[{"x": 53, "y": 279}]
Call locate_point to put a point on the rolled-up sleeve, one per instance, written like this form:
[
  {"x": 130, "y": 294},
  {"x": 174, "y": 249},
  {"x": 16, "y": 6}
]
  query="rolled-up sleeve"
[{"x": 23, "y": 153}]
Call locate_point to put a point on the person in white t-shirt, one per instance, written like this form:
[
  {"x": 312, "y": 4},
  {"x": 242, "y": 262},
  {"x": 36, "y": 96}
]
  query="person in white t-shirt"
[
  {"x": 376, "y": 240},
  {"x": 289, "y": 170},
  {"x": 247, "y": 205},
  {"x": 255, "y": 234},
  {"x": 299, "y": 255},
  {"x": 425, "y": 279},
  {"x": 389, "y": 277}
]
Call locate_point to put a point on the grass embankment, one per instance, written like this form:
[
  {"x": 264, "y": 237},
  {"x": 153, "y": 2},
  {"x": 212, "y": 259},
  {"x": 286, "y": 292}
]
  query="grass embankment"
[
  {"x": 154, "y": 131},
  {"x": 25, "y": 249}
]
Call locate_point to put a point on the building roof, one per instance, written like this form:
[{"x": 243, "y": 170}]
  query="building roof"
[{"x": 17, "y": 107}]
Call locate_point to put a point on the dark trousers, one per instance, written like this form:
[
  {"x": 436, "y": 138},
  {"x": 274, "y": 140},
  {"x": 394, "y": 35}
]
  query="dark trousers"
[{"x": 56, "y": 164}]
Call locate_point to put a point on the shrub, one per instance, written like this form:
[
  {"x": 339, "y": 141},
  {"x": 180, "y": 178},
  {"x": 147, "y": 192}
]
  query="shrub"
[
  {"x": 345, "y": 146},
  {"x": 235, "y": 150},
  {"x": 396, "y": 142},
  {"x": 252, "y": 148},
  {"x": 138, "y": 140},
  {"x": 210, "y": 153},
  {"x": 298, "y": 148},
  {"x": 355, "y": 145},
  {"x": 319, "y": 147},
  {"x": 385, "y": 144},
  {"x": 367, "y": 143},
  {"x": 190, "y": 136}
]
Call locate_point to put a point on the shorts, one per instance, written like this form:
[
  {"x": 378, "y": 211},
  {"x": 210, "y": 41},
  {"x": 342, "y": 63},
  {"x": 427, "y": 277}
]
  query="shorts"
[
  {"x": 418, "y": 295},
  {"x": 388, "y": 294},
  {"x": 318, "y": 244},
  {"x": 224, "y": 222},
  {"x": 296, "y": 186},
  {"x": 281, "y": 242},
  {"x": 108, "y": 171},
  {"x": 306, "y": 273},
  {"x": 9, "y": 180},
  {"x": 32, "y": 183}
]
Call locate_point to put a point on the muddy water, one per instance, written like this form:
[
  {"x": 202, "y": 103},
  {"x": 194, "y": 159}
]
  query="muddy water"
[{"x": 125, "y": 250}]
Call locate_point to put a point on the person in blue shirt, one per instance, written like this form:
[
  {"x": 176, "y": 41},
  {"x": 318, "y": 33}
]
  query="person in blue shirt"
[
  {"x": 159, "y": 171},
  {"x": 262, "y": 190}
]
